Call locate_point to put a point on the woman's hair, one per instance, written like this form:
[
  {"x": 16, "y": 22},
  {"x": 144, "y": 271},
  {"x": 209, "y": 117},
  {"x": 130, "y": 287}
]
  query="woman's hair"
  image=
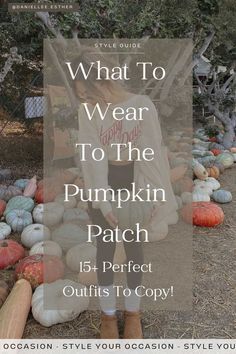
[{"x": 87, "y": 56}]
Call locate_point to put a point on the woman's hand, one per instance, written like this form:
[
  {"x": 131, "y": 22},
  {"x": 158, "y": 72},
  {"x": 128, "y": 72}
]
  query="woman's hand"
[{"x": 111, "y": 219}]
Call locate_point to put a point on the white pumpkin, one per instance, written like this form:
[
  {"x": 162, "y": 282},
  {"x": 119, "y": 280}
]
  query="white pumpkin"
[
  {"x": 212, "y": 183},
  {"x": 48, "y": 247},
  {"x": 52, "y": 214},
  {"x": 62, "y": 308},
  {"x": 71, "y": 203},
  {"x": 34, "y": 233},
  {"x": 38, "y": 214},
  {"x": 80, "y": 253},
  {"x": 199, "y": 196},
  {"x": 69, "y": 235},
  {"x": 5, "y": 230},
  {"x": 199, "y": 170},
  {"x": 203, "y": 189},
  {"x": 186, "y": 197}
]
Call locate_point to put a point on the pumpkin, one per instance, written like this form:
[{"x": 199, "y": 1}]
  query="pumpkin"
[
  {"x": 186, "y": 197},
  {"x": 80, "y": 253},
  {"x": 199, "y": 153},
  {"x": 199, "y": 196},
  {"x": 59, "y": 308},
  {"x": 5, "y": 230},
  {"x": 44, "y": 196},
  {"x": 11, "y": 192},
  {"x": 14, "y": 312},
  {"x": 216, "y": 146},
  {"x": 3, "y": 189},
  {"x": 2, "y": 206},
  {"x": 10, "y": 253},
  {"x": 206, "y": 160},
  {"x": 5, "y": 174},
  {"x": 21, "y": 183},
  {"x": 219, "y": 165},
  {"x": 199, "y": 170},
  {"x": 69, "y": 235},
  {"x": 20, "y": 202},
  {"x": 213, "y": 139},
  {"x": 203, "y": 189},
  {"x": 4, "y": 290},
  {"x": 71, "y": 203},
  {"x": 206, "y": 214},
  {"x": 212, "y": 183},
  {"x": 226, "y": 158},
  {"x": 233, "y": 150},
  {"x": 216, "y": 151},
  {"x": 52, "y": 214},
  {"x": 50, "y": 248},
  {"x": 39, "y": 268},
  {"x": 38, "y": 214},
  {"x": 30, "y": 188},
  {"x": 76, "y": 216},
  {"x": 18, "y": 219},
  {"x": 213, "y": 171},
  {"x": 222, "y": 196},
  {"x": 34, "y": 233}
]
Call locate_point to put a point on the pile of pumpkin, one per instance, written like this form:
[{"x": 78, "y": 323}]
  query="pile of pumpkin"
[
  {"x": 199, "y": 197},
  {"x": 46, "y": 258}
]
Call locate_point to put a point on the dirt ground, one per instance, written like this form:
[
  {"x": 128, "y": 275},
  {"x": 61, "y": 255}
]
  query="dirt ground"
[{"x": 214, "y": 255}]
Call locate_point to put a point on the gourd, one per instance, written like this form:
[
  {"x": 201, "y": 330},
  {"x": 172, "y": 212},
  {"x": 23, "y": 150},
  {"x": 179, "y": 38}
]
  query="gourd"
[
  {"x": 20, "y": 202},
  {"x": 38, "y": 213},
  {"x": 206, "y": 214},
  {"x": 14, "y": 312},
  {"x": 71, "y": 203},
  {"x": 61, "y": 308},
  {"x": 206, "y": 160},
  {"x": 80, "y": 253},
  {"x": 50, "y": 248},
  {"x": 44, "y": 196},
  {"x": 21, "y": 183},
  {"x": 69, "y": 235},
  {"x": 52, "y": 214},
  {"x": 212, "y": 183},
  {"x": 199, "y": 196},
  {"x": 30, "y": 188},
  {"x": 11, "y": 192},
  {"x": 199, "y": 170},
  {"x": 199, "y": 147},
  {"x": 216, "y": 146},
  {"x": 219, "y": 165},
  {"x": 5, "y": 230},
  {"x": 222, "y": 196},
  {"x": 226, "y": 158},
  {"x": 2, "y": 206},
  {"x": 4, "y": 290},
  {"x": 213, "y": 171},
  {"x": 200, "y": 153},
  {"x": 39, "y": 268},
  {"x": 34, "y": 233},
  {"x": 10, "y": 253},
  {"x": 4, "y": 174},
  {"x": 18, "y": 219}
]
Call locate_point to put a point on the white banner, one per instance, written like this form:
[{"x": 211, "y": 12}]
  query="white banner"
[{"x": 87, "y": 346}]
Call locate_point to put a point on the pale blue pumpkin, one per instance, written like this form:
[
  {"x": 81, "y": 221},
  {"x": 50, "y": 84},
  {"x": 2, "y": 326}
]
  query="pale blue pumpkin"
[
  {"x": 18, "y": 219},
  {"x": 21, "y": 183},
  {"x": 20, "y": 202},
  {"x": 222, "y": 196}
]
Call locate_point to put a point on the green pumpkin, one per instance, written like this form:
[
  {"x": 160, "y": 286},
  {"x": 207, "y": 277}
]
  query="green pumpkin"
[
  {"x": 226, "y": 158},
  {"x": 18, "y": 219},
  {"x": 20, "y": 202},
  {"x": 222, "y": 196}
]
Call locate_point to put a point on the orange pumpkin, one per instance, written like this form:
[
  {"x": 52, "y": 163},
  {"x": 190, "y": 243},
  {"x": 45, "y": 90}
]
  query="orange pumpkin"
[
  {"x": 216, "y": 152},
  {"x": 213, "y": 171},
  {"x": 44, "y": 196},
  {"x": 2, "y": 207},
  {"x": 206, "y": 214}
]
